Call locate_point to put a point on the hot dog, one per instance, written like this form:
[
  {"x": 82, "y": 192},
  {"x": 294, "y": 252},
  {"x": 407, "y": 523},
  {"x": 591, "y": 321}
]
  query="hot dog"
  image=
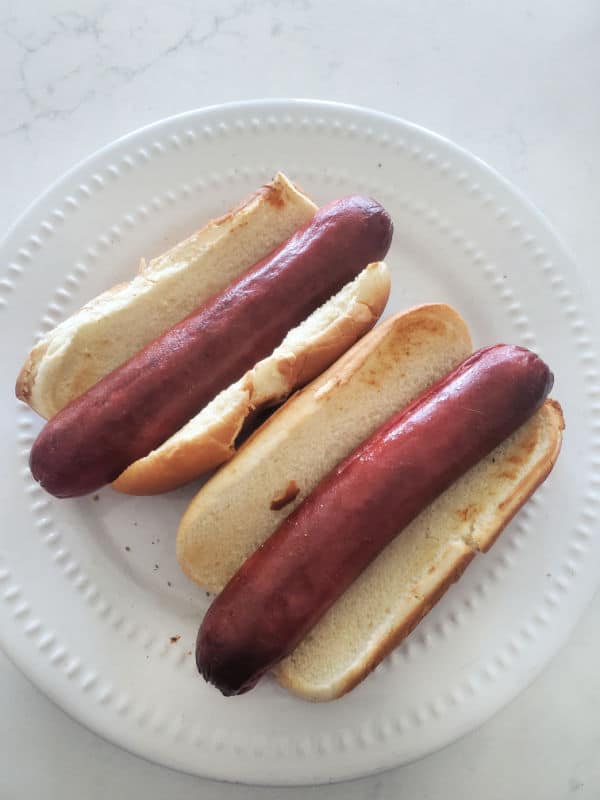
[
  {"x": 136, "y": 407},
  {"x": 289, "y": 583}
]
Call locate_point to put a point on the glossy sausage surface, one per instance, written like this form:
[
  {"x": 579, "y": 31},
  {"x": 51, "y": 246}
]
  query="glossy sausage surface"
[
  {"x": 135, "y": 408},
  {"x": 286, "y": 586}
]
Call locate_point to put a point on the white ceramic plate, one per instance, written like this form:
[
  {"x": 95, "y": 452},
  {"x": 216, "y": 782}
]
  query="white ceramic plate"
[{"x": 90, "y": 591}]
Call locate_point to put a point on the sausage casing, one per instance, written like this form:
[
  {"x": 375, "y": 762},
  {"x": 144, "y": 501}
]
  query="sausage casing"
[{"x": 135, "y": 408}]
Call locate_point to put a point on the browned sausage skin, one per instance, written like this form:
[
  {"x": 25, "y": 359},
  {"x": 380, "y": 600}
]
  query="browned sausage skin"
[
  {"x": 284, "y": 588},
  {"x": 139, "y": 405}
]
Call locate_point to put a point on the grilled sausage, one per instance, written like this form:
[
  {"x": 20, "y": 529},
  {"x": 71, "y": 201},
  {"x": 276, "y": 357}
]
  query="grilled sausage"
[
  {"x": 286, "y": 586},
  {"x": 135, "y": 408}
]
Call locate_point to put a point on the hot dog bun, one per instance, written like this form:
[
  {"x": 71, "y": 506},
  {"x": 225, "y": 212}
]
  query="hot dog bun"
[
  {"x": 232, "y": 515},
  {"x": 108, "y": 330},
  {"x": 116, "y": 324}
]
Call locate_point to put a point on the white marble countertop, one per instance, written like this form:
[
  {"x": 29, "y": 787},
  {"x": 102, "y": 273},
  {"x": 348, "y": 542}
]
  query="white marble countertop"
[{"x": 514, "y": 82}]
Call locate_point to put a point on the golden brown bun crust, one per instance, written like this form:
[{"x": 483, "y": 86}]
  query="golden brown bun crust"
[{"x": 113, "y": 326}]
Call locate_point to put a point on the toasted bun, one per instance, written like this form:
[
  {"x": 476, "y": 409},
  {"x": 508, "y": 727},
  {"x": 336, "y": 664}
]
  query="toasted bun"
[
  {"x": 284, "y": 460},
  {"x": 209, "y": 438},
  {"x": 112, "y": 327}
]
